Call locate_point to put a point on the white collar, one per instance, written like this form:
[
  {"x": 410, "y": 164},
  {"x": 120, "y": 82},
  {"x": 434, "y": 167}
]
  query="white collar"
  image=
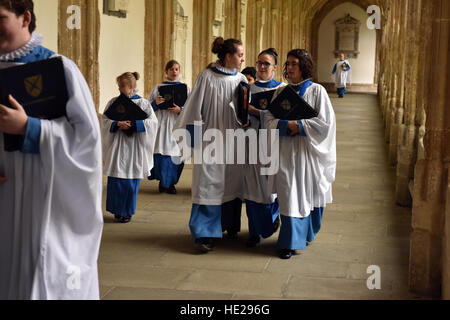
[
  {"x": 223, "y": 69},
  {"x": 35, "y": 40},
  {"x": 297, "y": 84}
]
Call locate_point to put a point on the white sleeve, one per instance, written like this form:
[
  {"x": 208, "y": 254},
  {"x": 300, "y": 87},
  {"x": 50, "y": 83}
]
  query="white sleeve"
[{"x": 70, "y": 150}]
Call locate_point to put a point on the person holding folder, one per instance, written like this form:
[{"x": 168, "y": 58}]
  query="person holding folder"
[
  {"x": 166, "y": 148},
  {"x": 342, "y": 73},
  {"x": 216, "y": 187},
  {"x": 307, "y": 159},
  {"x": 51, "y": 188},
  {"x": 261, "y": 204},
  {"x": 127, "y": 150}
]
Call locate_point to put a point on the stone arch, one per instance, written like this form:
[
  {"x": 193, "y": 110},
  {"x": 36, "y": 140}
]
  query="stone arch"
[{"x": 320, "y": 10}]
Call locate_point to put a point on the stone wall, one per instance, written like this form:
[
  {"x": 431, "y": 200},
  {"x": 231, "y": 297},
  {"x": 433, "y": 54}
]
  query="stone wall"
[{"x": 414, "y": 95}]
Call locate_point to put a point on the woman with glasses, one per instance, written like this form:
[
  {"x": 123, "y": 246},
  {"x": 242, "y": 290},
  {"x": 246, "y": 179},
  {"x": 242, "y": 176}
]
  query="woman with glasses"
[
  {"x": 262, "y": 205},
  {"x": 307, "y": 159}
]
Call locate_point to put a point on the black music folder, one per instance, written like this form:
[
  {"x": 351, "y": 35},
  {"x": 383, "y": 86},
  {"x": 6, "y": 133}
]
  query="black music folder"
[
  {"x": 288, "y": 105},
  {"x": 124, "y": 109},
  {"x": 261, "y": 100},
  {"x": 243, "y": 101},
  {"x": 173, "y": 94},
  {"x": 40, "y": 87}
]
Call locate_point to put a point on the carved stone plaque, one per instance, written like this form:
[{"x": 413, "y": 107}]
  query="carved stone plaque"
[{"x": 347, "y": 37}]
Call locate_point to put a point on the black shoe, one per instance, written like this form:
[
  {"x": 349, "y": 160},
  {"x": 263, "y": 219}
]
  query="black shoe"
[
  {"x": 285, "y": 254},
  {"x": 125, "y": 219},
  {"x": 276, "y": 224},
  {"x": 252, "y": 242},
  {"x": 341, "y": 96},
  {"x": 117, "y": 218},
  {"x": 161, "y": 188},
  {"x": 232, "y": 235},
  {"x": 171, "y": 190},
  {"x": 205, "y": 245}
]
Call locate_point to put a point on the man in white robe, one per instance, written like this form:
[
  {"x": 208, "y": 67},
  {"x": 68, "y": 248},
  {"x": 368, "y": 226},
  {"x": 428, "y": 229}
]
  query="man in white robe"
[
  {"x": 342, "y": 72},
  {"x": 51, "y": 190}
]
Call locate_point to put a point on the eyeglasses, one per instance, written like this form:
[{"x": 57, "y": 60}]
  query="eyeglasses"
[{"x": 264, "y": 64}]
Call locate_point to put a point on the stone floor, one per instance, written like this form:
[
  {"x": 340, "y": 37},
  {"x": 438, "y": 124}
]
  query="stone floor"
[{"x": 154, "y": 258}]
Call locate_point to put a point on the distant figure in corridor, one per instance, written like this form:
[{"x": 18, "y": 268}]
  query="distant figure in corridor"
[{"x": 342, "y": 75}]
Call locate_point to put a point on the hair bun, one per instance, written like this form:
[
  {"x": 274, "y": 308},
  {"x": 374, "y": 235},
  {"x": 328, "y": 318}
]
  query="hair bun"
[
  {"x": 217, "y": 45},
  {"x": 274, "y": 52},
  {"x": 136, "y": 75}
]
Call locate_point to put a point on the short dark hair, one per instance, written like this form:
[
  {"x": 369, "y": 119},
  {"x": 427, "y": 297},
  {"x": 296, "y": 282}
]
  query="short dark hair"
[
  {"x": 19, "y": 7},
  {"x": 171, "y": 63},
  {"x": 305, "y": 63},
  {"x": 223, "y": 47},
  {"x": 251, "y": 71}
]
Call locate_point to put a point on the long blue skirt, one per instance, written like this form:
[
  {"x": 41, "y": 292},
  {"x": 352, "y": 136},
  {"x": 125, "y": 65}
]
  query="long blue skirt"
[
  {"x": 165, "y": 170},
  {"x": 342, "y": 91},
  {"x": 121, "y": 196},
  {"x": 261, "y": 218},
  {"x": 295, "y": 232},
  {"x": 211, "y": 221}
]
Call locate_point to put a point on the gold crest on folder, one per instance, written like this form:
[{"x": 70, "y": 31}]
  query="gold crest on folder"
[
  {"x": 121, "y": 109},
  {"x": 33, "y": 85},
  {"x": 286, "y": 105},
  {"x": 263, "y": 104},
  {"x": 167, "y": 97}
]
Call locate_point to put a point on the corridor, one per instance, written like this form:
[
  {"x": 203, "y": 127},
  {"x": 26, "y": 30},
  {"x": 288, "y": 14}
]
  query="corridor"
[{"x": 154, "y": 258}]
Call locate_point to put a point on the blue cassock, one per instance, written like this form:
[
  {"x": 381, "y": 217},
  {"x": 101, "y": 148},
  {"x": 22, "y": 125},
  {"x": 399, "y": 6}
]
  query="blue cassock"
[{"x": 296, "y": 232}]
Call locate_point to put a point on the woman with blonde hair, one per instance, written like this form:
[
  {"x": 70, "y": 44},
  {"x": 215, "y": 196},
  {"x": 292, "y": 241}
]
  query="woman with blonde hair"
[{"x": 127, "y": 151}]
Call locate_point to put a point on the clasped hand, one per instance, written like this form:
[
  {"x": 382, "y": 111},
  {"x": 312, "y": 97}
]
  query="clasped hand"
[
  {"x": 293, "y": 127},
  {"x": 13, "y": 120},
  {"x": 124, "y": 125}
]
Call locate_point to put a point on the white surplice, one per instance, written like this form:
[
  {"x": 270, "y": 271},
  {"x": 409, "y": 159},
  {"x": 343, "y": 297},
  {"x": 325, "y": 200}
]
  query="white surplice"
[
  {"x": 129, "y": 157},
  {"x": 307, "y": 165},
  {"x": 212, "y": 103},
  {"x": 50, "y": 207}
]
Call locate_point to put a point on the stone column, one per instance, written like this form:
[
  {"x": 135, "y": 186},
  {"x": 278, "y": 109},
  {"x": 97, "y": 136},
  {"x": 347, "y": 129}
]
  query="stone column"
[
  {"x": 430, "y": 237},
  {"x": 82, "y": 45},
  {"x": 159, "y": 39},
  {"x": 397, "y": 111},
  {"x": 408, "y": 131},
  {"x": 204, "y": 12},
  {"x": 393, "y": 69},
  {"x": 180, "y": 39}
]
